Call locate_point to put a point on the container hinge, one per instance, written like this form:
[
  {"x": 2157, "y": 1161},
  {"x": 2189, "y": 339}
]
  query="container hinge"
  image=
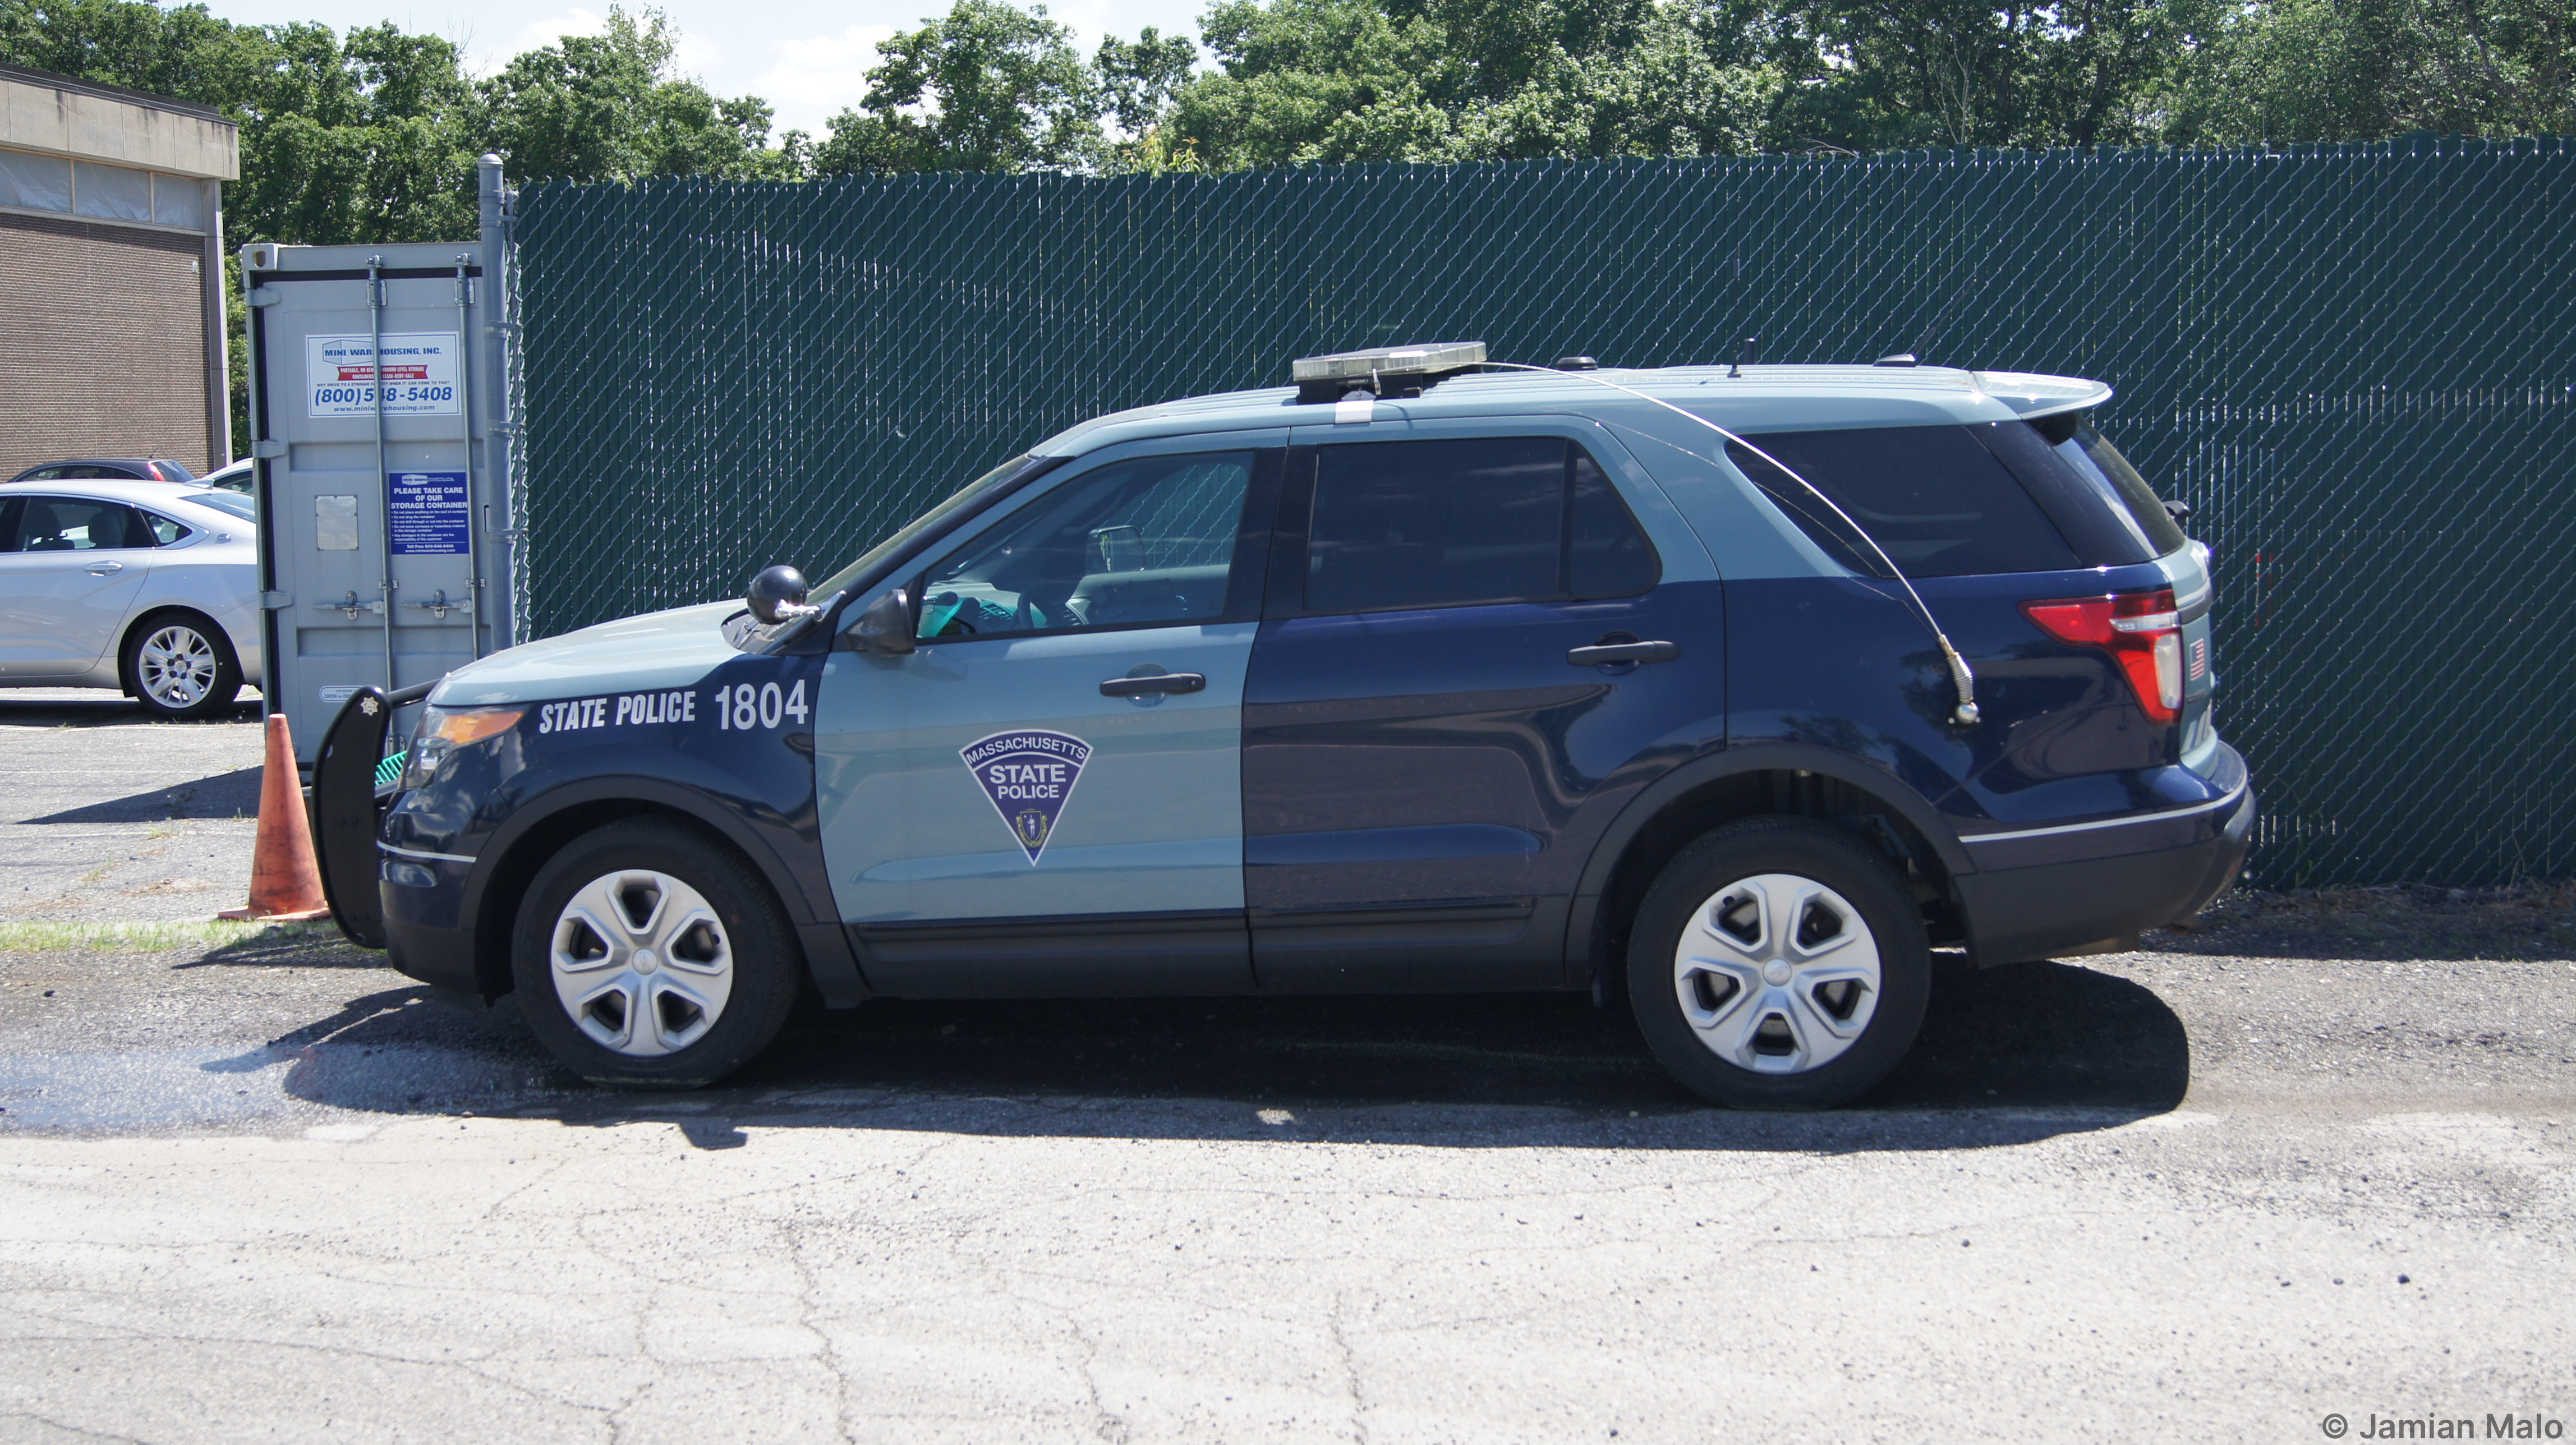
[
  {"x": 272, "y": 601},
  {"x": 268, "y": 447},
  {"x": 264, "y": 296}
]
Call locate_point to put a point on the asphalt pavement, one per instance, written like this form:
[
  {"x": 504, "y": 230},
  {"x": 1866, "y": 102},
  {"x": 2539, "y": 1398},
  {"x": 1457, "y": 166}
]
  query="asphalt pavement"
[
  {"x": 106, "y": 816},
  {"x": 2306, "y": 1170}
]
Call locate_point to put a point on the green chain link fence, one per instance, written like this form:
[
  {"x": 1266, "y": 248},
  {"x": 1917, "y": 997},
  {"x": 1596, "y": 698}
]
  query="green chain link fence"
[{"x": 2358, "y": 363}]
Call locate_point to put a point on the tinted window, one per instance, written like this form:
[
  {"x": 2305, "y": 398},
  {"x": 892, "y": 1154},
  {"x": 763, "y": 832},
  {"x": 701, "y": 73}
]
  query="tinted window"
[
  {"x": 1132, "y": 544},
  {"x": 1447, "y": 523},
  {"x": 1933, "y": 497},
  {"x": 2144, "y": 507},
  {"x": 63, "y": 524},
  {"x": 1610, "y": 555}
]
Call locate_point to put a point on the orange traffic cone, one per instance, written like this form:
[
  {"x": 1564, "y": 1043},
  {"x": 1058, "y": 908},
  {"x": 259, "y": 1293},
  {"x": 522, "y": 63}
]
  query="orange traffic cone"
[{"x": 285, "y": 885}]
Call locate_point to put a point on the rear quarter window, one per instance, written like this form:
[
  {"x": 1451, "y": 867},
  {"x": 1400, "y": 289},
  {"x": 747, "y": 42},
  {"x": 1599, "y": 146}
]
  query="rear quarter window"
[{"x": 1936, "y": 498}]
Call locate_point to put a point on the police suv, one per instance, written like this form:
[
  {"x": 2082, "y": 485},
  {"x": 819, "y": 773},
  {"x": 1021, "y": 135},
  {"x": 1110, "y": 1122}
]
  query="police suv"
[{"x": 1754, "y": 684}]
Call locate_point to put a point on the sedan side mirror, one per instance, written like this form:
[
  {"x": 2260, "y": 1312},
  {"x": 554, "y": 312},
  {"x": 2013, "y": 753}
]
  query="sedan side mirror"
[
  {"x": 778, "y": 595},
  {"x": 886, "y": 626}
]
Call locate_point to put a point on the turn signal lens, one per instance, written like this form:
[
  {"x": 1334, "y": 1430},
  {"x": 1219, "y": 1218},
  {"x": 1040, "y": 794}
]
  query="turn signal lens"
[
  {"x": 443, "y": 731},
  {"x": 2141, "y": 630},
  {"x": 468, "y": 727}
]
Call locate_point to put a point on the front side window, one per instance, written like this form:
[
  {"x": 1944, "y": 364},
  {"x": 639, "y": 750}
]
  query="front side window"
[
  {"x": 1140, "y": 543},
  {"x": 66, "y": 524},
  {"x": 1401, "y": 525}
]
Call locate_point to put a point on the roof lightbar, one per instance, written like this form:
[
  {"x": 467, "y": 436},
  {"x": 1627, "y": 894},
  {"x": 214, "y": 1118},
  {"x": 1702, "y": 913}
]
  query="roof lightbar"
[{"x": 1390, "y": 371}]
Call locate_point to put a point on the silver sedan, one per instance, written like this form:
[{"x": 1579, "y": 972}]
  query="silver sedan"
[{"x": 146, "y": 587}]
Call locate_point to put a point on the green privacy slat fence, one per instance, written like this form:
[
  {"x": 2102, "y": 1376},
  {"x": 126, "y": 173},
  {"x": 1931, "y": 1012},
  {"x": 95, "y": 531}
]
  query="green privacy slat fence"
[{"x": 2359, "y": 363}]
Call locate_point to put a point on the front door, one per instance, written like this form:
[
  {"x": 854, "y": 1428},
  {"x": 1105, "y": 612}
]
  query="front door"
[
  {"x": 1434, "y": 735},
  {"x": 1045, "y": 797},
  {"x": 69, "y": 573}
]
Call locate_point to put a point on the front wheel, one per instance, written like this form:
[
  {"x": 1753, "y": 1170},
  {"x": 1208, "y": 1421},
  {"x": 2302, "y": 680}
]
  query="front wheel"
[
  {"x": 182, "y": 667},
  {"x": 649, "y": 955},
  {"x": 1779, "y": 963}
]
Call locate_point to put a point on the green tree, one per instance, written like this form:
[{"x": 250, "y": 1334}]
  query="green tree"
[
  {"x": 988, "y": 87},
  {"x": 1139, "y": 80},
  {"x": 610, "y": 107},
  {"x": 1438, "y": 80},
  {"x": 2310, "y": 70}
]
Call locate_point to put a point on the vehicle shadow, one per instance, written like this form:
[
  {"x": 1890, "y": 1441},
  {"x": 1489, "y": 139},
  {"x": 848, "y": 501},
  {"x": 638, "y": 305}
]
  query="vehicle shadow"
[
  {"x": 2007, "y": 1056},
  {"x": 93, "y": 707},
  {"x": 217, "y": 795}
]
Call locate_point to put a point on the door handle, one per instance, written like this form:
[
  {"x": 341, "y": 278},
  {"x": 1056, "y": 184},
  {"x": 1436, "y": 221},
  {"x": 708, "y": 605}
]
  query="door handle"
[
  {"x": 1159, "y": 682},
  {"x": 1607, "y": 651},
  {"x": 105, "y": 569}
]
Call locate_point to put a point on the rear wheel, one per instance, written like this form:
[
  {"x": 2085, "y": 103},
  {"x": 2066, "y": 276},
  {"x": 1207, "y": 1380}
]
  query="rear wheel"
[
  {"x": 182, "y": 666},
  {"x": 1779, "y": 963},
  {"x": 651, "y": 956}
]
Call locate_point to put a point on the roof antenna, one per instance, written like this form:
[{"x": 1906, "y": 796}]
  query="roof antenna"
[
  {"x": 1748, "y": 352},
  {"x": 1965, "y": 714}
]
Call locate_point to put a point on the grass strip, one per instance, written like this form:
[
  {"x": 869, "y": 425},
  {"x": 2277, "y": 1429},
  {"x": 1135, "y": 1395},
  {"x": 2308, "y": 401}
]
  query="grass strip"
[{"x": 36, "y": 936}]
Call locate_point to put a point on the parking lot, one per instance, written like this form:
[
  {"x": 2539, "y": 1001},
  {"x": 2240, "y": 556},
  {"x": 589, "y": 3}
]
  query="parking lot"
[{"x": 2310, "y": 1163}]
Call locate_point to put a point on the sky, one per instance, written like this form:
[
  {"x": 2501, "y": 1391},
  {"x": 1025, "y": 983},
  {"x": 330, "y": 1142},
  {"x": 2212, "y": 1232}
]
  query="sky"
[{"x": 807, "y": 58}]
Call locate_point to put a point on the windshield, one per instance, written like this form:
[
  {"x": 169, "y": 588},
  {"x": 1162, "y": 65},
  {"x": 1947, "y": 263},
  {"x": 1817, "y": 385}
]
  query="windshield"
[
  {"x": 233, "y": 502},
  {"x": 965, "y": 497}
]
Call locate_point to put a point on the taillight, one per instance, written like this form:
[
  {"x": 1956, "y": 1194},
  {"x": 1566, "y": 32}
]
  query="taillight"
[{"x": 2140, "y": 629}]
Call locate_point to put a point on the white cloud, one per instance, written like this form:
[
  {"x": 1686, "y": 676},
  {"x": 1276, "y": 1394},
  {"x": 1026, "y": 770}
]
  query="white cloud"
[{"x": 811, "y": 80}]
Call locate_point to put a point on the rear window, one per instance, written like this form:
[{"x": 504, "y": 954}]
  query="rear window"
[
  {"x": 233, "y": 502},
  {"x": 1935, "y": 497},
  {"x": 2097, "y": 499}
]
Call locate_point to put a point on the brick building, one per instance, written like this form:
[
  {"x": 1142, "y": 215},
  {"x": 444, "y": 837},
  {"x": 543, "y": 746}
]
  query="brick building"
[{"x": 111, "y": 273}]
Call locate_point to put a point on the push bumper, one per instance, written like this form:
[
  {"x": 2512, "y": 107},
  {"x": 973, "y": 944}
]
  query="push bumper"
[{"x": 2141, "y": 873}]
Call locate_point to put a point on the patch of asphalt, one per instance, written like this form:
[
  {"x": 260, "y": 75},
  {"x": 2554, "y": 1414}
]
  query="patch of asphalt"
[{"x": 113, "y": 818}]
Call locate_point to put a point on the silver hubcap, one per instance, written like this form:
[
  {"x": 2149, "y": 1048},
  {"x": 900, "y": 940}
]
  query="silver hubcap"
[
  {"x": 1777, "y": 974},
  {"x": 641, "y": 962},
  {"x": 176, "y": 666}
]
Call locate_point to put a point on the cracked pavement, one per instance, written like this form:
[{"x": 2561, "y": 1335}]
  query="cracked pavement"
[{"x": 2313, "y": 1161}]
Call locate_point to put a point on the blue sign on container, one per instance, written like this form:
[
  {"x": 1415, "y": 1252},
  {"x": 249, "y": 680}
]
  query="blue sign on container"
[{"x": 430, "y": 514}]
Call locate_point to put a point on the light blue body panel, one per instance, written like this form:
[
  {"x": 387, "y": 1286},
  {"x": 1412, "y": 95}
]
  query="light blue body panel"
[
  {"x": 675, "y": 648},
  {"x": 1152, "y": 823}
]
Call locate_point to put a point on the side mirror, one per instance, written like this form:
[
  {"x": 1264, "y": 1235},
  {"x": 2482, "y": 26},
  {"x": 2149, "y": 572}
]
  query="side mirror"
[
  {"x": 886, "y": 626},
  {"x": 778, "y": 595}
]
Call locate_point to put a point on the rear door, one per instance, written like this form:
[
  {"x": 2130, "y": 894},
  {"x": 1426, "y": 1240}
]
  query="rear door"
[
  {"x": 1045, "y": 797},
  {"x": 1430, "y": 745},
  {"x": 70, "y": 571}
]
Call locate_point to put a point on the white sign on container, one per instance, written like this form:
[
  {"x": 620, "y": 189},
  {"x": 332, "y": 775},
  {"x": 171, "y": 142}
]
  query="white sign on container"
[{"x": 419, "y": 374}]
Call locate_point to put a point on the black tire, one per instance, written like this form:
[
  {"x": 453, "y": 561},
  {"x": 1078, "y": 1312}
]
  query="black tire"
[
  {"x": 1749, "y": 1014},
  {"x": 180, "y": 666},
  {"x": 743, "y": 925}
]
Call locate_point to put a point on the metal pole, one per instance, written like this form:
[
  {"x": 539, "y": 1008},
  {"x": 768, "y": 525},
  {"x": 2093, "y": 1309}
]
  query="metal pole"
[
  {"x": 384, "y": 479},
  {"x": 465, "y": 408},
  {"x": 500, "y": 429}
]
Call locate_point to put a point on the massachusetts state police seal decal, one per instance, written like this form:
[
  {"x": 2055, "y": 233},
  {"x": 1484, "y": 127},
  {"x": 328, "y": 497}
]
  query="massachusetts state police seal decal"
[{"x": 1028, "y": 775}]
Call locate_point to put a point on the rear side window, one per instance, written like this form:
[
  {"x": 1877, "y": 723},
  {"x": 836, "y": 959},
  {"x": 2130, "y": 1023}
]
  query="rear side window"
[
  {"x": 1399, "y": 525},
  {"x": 1934, "y": 497}
]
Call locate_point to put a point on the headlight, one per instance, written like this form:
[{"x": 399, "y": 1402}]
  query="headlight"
[{"x": 443, "y": 730}]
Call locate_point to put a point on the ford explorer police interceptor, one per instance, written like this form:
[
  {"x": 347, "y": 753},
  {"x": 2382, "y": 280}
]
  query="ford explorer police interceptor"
[{"x": 1752, "y": 685}]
